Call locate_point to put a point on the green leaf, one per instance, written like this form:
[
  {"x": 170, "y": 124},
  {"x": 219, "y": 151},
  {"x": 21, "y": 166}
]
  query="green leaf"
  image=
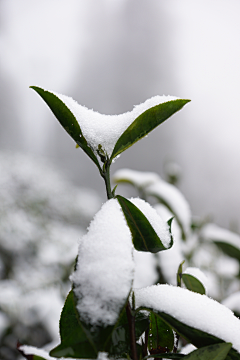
[
  {"x": 145, "y": 123},
  {"x": 228, "y": 249},
  {"x": 194, "y": 336},
  {"x": 67, "y": 120},
  {"x": 179, "y": 274},
  {"x": 160, "y": 334},
  {"x": 193, "y": 284},
  {"x": 144, "y": 236},
  {"x": 212, "y": 352},
  {"x": 75, "y": 340}
]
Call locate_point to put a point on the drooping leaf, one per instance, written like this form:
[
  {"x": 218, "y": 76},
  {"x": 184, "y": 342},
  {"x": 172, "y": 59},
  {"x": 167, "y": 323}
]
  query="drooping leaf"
[
  {"x": 75, "y": 340},
  {"x": 160, "y": 335},
  {"x": 145, "y": 123},
  {"x": 144, "y": 236},
  {"x": 211, "y": 352},
  {"x": 197, "y": 318},
  {"x": 228, "y": 249},
  {"x": 67, "y": 120},
  {"x": 193, "y": 284},
  {"x": 196, "y": 337},
  {"x": 80, "y": 341}
]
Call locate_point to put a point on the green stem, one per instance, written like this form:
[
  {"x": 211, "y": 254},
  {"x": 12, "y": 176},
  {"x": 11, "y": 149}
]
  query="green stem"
[{"x": 106, "y": 177}]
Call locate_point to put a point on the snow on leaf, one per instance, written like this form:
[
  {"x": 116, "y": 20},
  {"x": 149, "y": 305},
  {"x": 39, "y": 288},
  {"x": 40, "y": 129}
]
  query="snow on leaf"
[
  {"x": 194, "y": 310},
  {"x": 233, "y": 302},
  {"x": 139, "y": 179},
  {"x": 104, "y": 273},
  {"x": 106, "y": 129},
  {"x": 171, "y": 197},
  {"x": 161, "y": 227},
  {"x": 227, "y": 240}
]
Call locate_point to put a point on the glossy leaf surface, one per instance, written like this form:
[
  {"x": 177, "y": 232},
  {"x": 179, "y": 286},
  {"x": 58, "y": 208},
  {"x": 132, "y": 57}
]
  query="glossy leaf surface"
[
  {"x": 193, "y": 284},
  {"x": 212, "y": 352},
  {"x": 145, "y": 123},
  {"x": 194, "y": 336},
  {"x": 67, "y": 120},
  {"x": 144, "y": 236},
  {"x": 75, "y": 341},
  {"x": 160, "y": 334}
]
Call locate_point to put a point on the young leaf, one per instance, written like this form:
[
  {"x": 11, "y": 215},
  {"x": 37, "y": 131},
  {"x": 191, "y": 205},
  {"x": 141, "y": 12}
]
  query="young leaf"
[
  {"x": 179, "y": 274},
  {"x": 211, "y": 352},
  {"x": 228, "y": 249},
  {"x": 144, "y": 236},
  {"x": 145, "y": 123},
  {"x": 193, "y": 284},
  {"x": 67, "y": 120}
]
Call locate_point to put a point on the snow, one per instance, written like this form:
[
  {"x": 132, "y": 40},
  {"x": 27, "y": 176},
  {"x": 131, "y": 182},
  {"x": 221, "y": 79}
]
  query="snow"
[
  {"x": 169, "y": 260},
  {"x": 161, "y": 227},
  {"x": 31, "y": 350},
  {"x": 213, "y": 232},
  {"x": 192, "y": 309},
  {"x": 174, "y": 199},
  {"x": 187, "y": 349},
  {"x": 233, "y": 302},
  {"x": 198, "y": 274},
  {"x": 138, "y": 178},
  {"x": 145, "y": 269},
  {"x": 106, "y": 129},
  {"x": 105, "y": 267}
]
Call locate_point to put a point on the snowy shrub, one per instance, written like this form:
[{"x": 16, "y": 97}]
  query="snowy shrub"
[
  {"x": 41, "y": 220},
  {"x": 109, "y": 311}
]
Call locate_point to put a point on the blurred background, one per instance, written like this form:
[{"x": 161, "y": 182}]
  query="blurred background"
[{"x": 110, "y": 55}]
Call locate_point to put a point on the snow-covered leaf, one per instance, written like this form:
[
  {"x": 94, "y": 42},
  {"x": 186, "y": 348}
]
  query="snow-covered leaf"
[
  {"x": 211, "y": 352},
  {"x": 146, "y": 122},
  {"x": 105, "y": 268},
  {"x": 173, "y": 199},
  {"x": 199, "y": 319},
  {"x": 149, "y": 231},
  {"x": 139, "y": 179},
  {"x": 233, "y": 303},
  {"x": 227, "y": 241},
  {"x": 112, "y": 134},
  {"x": 67, "y": 120}
]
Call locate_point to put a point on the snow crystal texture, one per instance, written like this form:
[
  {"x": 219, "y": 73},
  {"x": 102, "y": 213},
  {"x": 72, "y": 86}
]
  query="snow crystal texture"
[
  {"x": 105, "y": 267},
  {"x": 161, "y": 227},
  {"x": 192, "y": 309},
  {"x": 106, "y": 129}
]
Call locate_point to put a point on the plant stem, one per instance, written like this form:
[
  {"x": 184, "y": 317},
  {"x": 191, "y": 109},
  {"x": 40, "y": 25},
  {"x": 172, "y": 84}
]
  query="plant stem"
[
  {"x": 131, "y": 319},
  {"x": 131, "y": 322},
  {"x": 106, "y": 177}
]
